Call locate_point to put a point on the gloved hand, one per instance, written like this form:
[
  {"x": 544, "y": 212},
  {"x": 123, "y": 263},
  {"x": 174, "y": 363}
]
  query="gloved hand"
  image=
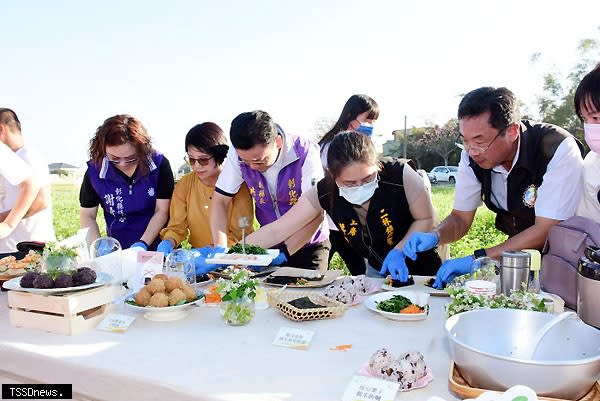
[
  {"x": 139, "y": 244},
  {"x": 165, "y": 246},
  {"x": 204, "y": 253},
  {"x": 452, "y": 268},
  {"x": 279, "y": 260},
  {"x": 419, "y": 242},
  {"x": 102, "y": 249},
  {"x": 395, "y": 264}
]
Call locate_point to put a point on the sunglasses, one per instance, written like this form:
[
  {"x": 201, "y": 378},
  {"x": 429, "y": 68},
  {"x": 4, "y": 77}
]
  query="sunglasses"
[{"x": 202, "y": 161}]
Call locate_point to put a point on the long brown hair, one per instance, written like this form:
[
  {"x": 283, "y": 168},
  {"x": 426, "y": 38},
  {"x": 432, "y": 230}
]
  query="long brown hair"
[{"x": 118, "y": 130}]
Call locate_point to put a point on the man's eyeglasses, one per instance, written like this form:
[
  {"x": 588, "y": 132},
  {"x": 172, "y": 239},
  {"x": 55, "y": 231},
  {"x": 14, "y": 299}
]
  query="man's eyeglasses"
[
  {"x": 260, "y": 162},
  {"x": 121, "y": 161},
  {"x": 202, "y": 161},
  {"x": 478, "y": 150}
]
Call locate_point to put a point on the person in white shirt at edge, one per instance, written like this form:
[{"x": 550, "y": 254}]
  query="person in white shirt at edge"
[
  {"x": 529, "y": 174},
  {"x": 278, "y": 168},
  {"x": 587, "y": 107},
  {"x": 25, "y": 202}
]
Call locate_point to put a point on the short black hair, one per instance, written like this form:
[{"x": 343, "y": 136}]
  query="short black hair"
[
  {"x": 587, "y": 93},
  {"x": 9, "y": 117},
  {"x": 252, "y": 128},
  {"x": 500, "y": 102},
  {"x": 209, "y": 138}
]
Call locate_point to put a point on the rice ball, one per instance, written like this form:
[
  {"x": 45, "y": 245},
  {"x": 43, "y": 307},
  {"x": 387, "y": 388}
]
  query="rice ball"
[{"x": 381, "y": 359}]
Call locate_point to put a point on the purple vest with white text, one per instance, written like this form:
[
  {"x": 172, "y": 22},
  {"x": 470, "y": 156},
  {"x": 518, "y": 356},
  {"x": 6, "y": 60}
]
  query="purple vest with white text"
[
  {"x": 128, "y": 207},
  {"x": 289, "y": 188}
]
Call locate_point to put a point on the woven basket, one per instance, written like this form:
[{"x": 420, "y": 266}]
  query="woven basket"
[{"x": 279, "y": 300}]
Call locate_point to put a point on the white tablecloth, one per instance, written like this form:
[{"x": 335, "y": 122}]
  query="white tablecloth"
[{"x": 202, "y": 358}]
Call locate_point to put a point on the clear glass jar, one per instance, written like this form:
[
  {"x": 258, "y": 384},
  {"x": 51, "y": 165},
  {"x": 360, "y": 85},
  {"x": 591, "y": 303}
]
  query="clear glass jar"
[
  {"x": 238, "y": 312},
  {"x": 180, "y": 263},
  {"x": 60, "y": 263}
]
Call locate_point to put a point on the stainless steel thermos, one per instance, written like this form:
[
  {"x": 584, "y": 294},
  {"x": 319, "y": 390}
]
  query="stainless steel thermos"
[{"x": 514, "y": 274}]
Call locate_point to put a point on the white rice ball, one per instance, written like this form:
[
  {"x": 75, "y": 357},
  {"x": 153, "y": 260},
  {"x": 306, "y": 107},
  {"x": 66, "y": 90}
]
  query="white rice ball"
[{"x": 381, "y": 359}]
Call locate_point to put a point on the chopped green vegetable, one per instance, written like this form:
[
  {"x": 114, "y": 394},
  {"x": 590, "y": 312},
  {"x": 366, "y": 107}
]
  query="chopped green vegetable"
[
  {"x": 394, "y": 304},
  {"x": 250, "y": 249}
]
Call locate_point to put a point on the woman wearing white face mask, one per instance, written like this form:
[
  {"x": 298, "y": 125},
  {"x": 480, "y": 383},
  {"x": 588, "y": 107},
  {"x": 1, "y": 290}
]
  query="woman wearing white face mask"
[
  {"x": 375, "y": 205},
  {"x": 587, "y": 106}
]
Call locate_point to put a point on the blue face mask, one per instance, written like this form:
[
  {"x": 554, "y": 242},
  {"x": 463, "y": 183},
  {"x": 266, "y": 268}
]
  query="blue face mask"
[{"x": 365, "y": 128}]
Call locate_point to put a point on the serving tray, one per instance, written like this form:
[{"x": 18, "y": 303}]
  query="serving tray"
[{"x": 458, "y": 385}]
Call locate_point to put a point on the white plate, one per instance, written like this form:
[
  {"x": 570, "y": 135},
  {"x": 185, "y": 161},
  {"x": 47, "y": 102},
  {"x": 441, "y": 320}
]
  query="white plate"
[
  {"x": 166, "y": 314},
  {"x": 15, "y": 284},
  {"x": 243, "y": 259},
  {"x": 418, "y": 286},
  {"x": 418, "y": 298}
]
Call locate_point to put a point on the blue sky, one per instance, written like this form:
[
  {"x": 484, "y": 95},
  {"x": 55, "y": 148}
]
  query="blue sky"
[{"x": 68, "y": 65}]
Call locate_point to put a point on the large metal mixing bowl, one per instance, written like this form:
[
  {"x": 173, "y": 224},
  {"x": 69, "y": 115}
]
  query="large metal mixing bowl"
[{"x": 488, "y": 346}]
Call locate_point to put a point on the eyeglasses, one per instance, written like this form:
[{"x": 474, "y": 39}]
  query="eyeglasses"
[
  {"x": 202, "y": 161},
  {"x": 261, "y": 162},
  {"x": 121, "y": 161},
  {"x": 368, "y": 180},
  {"x": 478, "y": 150}
]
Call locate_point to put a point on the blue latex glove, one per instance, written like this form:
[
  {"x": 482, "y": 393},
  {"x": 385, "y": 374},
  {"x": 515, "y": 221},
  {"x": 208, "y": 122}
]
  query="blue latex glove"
[
  {"x": 279, "y": 260},
  {"x": 452, "y": 268},
  {"x": 139, "y": 244},
  {"x": 419, "y": 242},
  {"x": 165, "y": 246},
  {"x": 202, "y": 254},
  {"x": 103, "y": 249},
  {"x": 395, "y": 264}
]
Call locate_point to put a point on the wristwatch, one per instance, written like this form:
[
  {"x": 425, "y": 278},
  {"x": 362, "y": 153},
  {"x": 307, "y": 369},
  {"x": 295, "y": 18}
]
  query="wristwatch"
[{"x": 479, "y": 253}]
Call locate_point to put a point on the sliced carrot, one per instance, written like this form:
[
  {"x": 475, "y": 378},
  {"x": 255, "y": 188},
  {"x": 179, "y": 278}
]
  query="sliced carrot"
[
  {"x": 343, "y": 347},
  {"x": 212, "y": 298},
  {"x": 412, "y": 308}
]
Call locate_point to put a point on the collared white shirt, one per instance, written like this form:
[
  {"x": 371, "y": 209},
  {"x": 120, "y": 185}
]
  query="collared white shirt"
[
  {"x": 21, "y": 164},
  {"x": 231, "y": 178},
  {"x": 557, "y": 196},
  {"x": 589, "y": 205}
]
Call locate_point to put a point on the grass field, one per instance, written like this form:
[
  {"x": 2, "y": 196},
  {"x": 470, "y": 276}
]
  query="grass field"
[{"x": 65, "y": 199}]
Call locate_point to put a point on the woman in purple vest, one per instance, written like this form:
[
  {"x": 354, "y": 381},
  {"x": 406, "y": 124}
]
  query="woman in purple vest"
[{"x": 131, "y": 181}]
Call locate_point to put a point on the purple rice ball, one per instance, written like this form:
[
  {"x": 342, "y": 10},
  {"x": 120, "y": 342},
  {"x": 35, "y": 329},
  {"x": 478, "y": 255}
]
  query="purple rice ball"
[
  {"x": 43, "y": 281},
  {"x": 28, "y": 278}
]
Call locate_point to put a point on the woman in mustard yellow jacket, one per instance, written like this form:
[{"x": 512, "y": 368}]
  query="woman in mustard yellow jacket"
[{"x": 206, "y": 149}]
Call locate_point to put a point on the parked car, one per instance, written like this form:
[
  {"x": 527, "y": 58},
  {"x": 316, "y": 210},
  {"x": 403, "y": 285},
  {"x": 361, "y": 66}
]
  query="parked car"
[{"x": 443, "y": 174}]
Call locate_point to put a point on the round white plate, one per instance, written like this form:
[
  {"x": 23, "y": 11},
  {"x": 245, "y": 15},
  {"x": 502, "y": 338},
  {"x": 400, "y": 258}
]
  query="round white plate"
[
  {"x": 419, "y": 298},
  {"x": 15, "y": 284},
  {"x": 166, "y": 314}
]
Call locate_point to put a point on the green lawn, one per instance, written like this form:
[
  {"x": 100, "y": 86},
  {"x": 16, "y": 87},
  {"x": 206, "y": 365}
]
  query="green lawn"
[{"x": 65, "y": 199}]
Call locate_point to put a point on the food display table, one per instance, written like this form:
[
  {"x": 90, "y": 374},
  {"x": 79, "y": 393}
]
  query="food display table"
[{"x": 202, "y": 358}]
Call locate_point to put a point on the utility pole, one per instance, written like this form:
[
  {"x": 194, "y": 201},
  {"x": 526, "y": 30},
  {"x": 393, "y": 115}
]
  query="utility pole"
[{"x": 405, "y": 136}]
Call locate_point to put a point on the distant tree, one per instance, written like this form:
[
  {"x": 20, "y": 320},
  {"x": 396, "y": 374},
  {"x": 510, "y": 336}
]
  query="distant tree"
[
  {"x": 442, "y": 140},
  {"x": 322, "y": 125},
  {"x": 556, "y": 101}
]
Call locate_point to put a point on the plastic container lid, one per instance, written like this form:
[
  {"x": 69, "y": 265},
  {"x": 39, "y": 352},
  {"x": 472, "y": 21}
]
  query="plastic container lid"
[
  {"x": 589, "y": 269},
  {"x": 517, "y": 259}
]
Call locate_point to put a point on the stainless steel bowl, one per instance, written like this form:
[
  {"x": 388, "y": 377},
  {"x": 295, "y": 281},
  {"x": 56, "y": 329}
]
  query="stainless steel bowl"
[{"x": 487, "y": 345}]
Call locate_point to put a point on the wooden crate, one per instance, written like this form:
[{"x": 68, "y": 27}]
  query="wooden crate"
[{"x": 69, "y": 314}]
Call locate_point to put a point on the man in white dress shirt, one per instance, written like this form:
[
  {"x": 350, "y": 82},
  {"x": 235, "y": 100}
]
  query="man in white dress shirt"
[
  {"x": 529, "y": 174},
  {"x": 25, "y": 203}
]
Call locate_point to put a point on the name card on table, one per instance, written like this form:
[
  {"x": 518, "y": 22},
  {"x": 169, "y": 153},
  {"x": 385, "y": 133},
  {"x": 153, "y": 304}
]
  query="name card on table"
[
  {"x": 293, "y": 338},
  {"x": 115, "y": 323},
  {"x": 364, "y": 388}
]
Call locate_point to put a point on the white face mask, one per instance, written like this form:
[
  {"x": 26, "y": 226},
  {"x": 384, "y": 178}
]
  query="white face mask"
[
  {"x": 592, "y": 136},
  {"x": 360, "y": 194}
]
